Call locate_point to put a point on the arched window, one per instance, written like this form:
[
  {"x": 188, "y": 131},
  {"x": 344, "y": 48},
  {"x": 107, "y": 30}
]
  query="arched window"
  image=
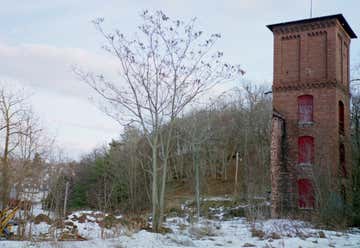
[
  {"x": 342, "y": 160},
  {"x": 341, "y": 117},
  {"x": 306, "y": 197},
  {"x": 305, "y": 109},
  {"x": 306, "y": 150}
]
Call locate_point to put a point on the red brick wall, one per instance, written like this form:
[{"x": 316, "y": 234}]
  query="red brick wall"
[
  {"x": 313, "y": 52},
  {"x": 313, "y": 59}
]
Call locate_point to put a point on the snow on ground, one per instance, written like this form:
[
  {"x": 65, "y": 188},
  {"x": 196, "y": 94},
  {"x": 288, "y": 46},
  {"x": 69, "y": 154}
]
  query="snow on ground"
[
  {"x": 39, "y": 229},
  {"x": 209, "y": 233},
  {"x": 235, "y": 232}
]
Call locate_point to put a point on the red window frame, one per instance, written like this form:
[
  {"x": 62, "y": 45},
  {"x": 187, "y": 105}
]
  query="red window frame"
[
  {"x": 305, "y": 108},
  {"x": 306, "y": 194},
  {"x": 306, "y": 150}
]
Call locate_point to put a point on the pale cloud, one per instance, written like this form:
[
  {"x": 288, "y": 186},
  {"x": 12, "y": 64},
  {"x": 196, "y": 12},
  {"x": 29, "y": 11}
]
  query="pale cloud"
[
  {"x": 40, "y": 41},
  {"x": 58, "y": 96},
  {"x": 49, "y": 67}
]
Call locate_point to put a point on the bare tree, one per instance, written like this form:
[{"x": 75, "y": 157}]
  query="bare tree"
[
  {"x": 13, "y": 118},
  {"x": 163, "y": 69},
  {"x": 36, "y": 146},
  {"x": 196, "y": 132}
]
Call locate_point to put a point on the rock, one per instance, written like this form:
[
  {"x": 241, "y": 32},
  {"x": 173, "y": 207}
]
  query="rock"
[
  {"x": 80, "y": 238},
  {"x": 257, "y": 233},
  {"x": 82, "y": 218},
  {"x": 275, "y": 235},
  {"x": 249, "y": 245},
  {"x": 68, "y": 223},
  {"x": 42, "y": 218},
  {"x": 59, "y": 223},
  {"x": 302, "y": 235},
  {"x": 66, "y": 236},
  {"x": 322, "y": 235}
]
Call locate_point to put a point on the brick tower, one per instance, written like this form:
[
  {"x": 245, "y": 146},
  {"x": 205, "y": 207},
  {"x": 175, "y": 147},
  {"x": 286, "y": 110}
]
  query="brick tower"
[{"x": 310, "y": 148}]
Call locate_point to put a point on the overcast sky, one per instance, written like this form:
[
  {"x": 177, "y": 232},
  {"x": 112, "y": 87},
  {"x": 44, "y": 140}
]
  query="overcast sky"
[{"x": 41, "y": 39}]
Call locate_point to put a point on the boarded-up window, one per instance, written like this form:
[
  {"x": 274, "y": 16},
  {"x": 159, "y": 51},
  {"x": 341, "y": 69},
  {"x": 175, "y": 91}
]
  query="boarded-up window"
[
  {"x": 305, "y": 108},
  {"x": 343, "y": 171},
  {"x": 306, "y": 150},
  {"x": 306, "y": 194},
  {"x": 341, "y": 117}
]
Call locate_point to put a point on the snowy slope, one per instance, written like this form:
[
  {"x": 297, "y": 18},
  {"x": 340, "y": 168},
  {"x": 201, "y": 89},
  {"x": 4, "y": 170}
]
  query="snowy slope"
[{"x": 232, "y": 234}]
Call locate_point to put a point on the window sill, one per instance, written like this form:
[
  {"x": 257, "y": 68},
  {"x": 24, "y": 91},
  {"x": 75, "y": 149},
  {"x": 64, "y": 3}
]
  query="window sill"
[
  {"x": 309, "y": 208},
  {"x": 306, "y": 124},
  {"x": 305, "y": 164}
]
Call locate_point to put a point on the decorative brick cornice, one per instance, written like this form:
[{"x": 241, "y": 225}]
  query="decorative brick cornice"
[
  {"x": 304, "y": 27},
  {"x": 291, "y": 37},
  {"x": 314, "y": 85},
  {"x": 317, "y": 33}
]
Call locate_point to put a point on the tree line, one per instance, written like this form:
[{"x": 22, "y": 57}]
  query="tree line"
[{"x": 203, "y": 148}]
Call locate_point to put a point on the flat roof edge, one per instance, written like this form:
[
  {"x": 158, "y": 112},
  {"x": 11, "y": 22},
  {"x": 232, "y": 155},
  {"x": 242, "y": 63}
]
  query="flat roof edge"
[{"x": 339, "y": 17}]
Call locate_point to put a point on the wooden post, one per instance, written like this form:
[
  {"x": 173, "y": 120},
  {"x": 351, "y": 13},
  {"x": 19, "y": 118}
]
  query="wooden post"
[
  {"x": 66, "y": 197},
  {"x": 236, "y": 173},
  {"x": 197, "y": 180}
]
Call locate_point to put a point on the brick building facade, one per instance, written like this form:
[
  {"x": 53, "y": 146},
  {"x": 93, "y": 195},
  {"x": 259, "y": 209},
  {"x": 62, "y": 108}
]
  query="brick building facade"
[{"x": 310, "y": 153}]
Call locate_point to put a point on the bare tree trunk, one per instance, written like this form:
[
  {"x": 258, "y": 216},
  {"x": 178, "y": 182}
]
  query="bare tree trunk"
[
  {"x": 5, "y": 170},
  {"x": 197, "y": 180},
  {"x": 224, "y": 162},
  {"x": 66, "y": 197},
  {"x": 162, "y": 193},
  {"x": 155, "y": 212},
  {"x": 166, "y": 153}
]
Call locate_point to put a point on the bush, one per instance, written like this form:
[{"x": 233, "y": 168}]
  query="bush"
[
  {"x": 355, "y": 220},
  {"x": 334, "y": 213}
]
